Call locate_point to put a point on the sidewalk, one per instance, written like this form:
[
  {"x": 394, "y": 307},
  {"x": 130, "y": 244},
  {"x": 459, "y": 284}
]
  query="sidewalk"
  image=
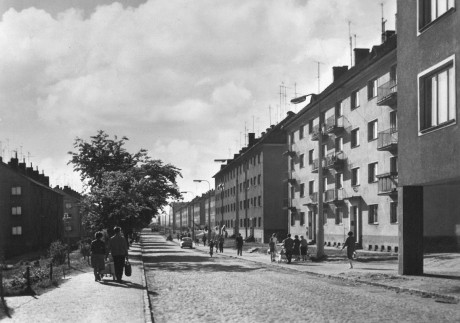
[
  {"x": 441, "y": 280},
  {"x": 81, "y": 299}
]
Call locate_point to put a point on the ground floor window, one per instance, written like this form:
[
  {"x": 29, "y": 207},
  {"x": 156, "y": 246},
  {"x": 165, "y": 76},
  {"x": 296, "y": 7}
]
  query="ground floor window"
[
  {"x": 394, "y": 212},
  {"x": 373, "y": 214},
  {"x": 302, "y": 218},
  {"x": 338, "y": 216}
]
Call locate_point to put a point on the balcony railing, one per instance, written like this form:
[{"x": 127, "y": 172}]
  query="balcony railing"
[
  {"x": 334, "y": 195},
  {"x": 335, "y": 160},
  {"x": 334, "y": 124},
  {"x": 315, "y": 165},
  {"x": 388, "y": 184},
  {"x": 387, "y": 94},
  {"x": 316, "y": 132},
  {"x": 387, "y": 140}
]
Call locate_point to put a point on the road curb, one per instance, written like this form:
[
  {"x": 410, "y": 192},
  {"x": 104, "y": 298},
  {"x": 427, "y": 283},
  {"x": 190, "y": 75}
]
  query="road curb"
[{"x": 148, "y": 314}]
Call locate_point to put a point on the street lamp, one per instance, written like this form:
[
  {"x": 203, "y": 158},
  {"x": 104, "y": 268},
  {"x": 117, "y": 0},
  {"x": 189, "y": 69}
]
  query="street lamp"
[
  {"x": 209, "y": 205},
  {"x": 320, "y": 222}
]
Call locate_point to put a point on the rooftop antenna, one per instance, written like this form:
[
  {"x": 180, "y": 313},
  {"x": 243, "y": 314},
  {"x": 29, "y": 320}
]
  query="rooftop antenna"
[
  {"x": 253, "y": 124},
  {"x": 351, "y": 45},
  {"x": 270, "y": 114},
  {"x": 319, "y": 77},
  {"x": 383, "y": 25},
  {"x": 245, "y": 134}
]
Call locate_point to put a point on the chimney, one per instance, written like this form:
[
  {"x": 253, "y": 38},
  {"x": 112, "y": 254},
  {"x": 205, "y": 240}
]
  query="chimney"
[
  {"x": 235, "y": 156},
  {"x": 387, "y": 34},
  {"x": 338, "y": 71},
  {"x": 252, "y": 137},
  {"x": 22, "y": 166},
  {"x": 360, "y": 54},
  {"x": 14, "y": 162}
]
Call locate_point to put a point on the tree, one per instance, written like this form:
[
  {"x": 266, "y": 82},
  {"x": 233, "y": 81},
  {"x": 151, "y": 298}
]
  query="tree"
[{"x": 123, "y": 189}]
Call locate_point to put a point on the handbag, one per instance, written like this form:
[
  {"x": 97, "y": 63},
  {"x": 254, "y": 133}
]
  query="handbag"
[{"x": 128, "y": 268}]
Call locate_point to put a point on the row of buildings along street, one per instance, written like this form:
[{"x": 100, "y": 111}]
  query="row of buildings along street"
[{"x": 375, "y": 153}]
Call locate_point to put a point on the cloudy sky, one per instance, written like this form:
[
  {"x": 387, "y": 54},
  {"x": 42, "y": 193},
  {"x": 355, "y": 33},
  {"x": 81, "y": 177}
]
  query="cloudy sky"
[{"x": 180, "y": 78}]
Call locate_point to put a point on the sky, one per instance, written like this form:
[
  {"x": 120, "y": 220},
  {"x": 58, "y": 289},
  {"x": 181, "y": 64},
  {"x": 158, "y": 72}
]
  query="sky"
[{"x": 184, "y": 79}]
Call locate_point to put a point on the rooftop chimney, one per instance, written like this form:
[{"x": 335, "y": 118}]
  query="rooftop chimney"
[
  {"x": 252, "y": 137},
  {"x": 387, "y": 34},
  {"x": 338, "y": 71},
  {"x": 360, "y": 54}
]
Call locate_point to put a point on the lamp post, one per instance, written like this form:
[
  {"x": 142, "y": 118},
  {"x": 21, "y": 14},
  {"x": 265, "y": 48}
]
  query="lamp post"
[
  {"x": 320, "y": 222},
  {"x": 209, "y": 205}
]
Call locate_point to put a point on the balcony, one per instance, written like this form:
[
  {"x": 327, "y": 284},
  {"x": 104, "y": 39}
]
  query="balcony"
[
  {"x": 387, "y": 94},
  {"x": 334, "y": 125},
  {"x": 313, "y": 199},
  {"x": 289, "y": 153},
  {"x": 388, "y": 184},
  {"x": 315, "y": 165},
  {"x": 316, "y": 132},
  {"x": 334, "y": 195},
  {"x": 387, "y": 140},
  {"x": 335, "y": 160}
]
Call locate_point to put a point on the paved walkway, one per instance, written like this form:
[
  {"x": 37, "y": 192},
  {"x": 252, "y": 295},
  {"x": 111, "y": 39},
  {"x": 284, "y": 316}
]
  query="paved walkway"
[
  {"x": 440, "y": 281},
  {"x": 81, "y": 299}
]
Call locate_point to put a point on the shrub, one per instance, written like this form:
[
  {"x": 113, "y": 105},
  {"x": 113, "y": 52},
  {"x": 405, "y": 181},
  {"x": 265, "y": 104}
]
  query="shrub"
[{"x": 58, "y": 252}]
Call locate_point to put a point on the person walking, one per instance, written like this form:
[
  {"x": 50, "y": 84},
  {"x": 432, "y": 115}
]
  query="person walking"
[
  {"x": 272, "y": 248},
  {"x": 288, "y": 245},
  {"x": 204, "y": 239},
  {"x": 350, "y": 244},
  {"x": 296, "y": 250},
  {"x": 211, "y": 247},
  {"x": 239, "y": 245},
  {"x": 119, "y": 250},
  {"x": 221, "y": 244},
  {"x": 98, "y": 255},
  {"x": 303, "y": 248}
]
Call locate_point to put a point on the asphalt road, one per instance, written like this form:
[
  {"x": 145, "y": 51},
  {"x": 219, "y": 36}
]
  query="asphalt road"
[{"x": 189, "y": 286}]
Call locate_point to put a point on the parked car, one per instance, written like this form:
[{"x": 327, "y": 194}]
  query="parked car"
[{"x": 186, "y": 242}]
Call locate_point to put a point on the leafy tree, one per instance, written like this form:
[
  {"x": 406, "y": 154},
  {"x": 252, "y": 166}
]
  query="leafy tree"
[{"x": 123, "y": 189}]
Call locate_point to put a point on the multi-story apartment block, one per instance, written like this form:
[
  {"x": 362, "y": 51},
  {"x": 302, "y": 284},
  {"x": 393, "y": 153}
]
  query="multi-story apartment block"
[
  {"x": 72, "y": 217},
  {"x": 30, "y": 211},
  {"x": 343, "y": 155},
  {"x": 428, "y": 38},
  {"x": 250, "y": 189}
]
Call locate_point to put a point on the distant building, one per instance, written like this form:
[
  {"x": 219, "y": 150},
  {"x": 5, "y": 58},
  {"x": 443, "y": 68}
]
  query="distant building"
[
  {"x": 429, "y": 145},
  {"x": 343, "y": 150},
  {"x": 250, "y": 190},
  {"x": 30, "y": 211},
  {"x": 72, "y": 217}
]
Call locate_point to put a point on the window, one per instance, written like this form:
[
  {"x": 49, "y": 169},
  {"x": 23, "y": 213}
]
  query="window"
[
  {"x": 260, "y": 221},
  {"x": 324, "y": 184},
  {"x": 372, "y": 89},
  {"x": 324, "y": 150},
  {"x": 373, "y": 214},
  {"x": 372, "y": 130},
  {"x": 338, "y": 144},
  {"x": 16, "y": 190},
  {"x": 372, "y": 172},
  {"x": 16, "y": 210},
  {"x": 292, "y": 164},
  {"x": 355, "y": 138},
  {"x": 67, "y": 216},
  {"x": 302, "y": 161},
  {"x": 354, "y": 99},
  {"x": 430, "y": 10},
  {"x": 311, "y": 187},
  {"x": 301, "y": 132},
  {"x": 292, "y": 138},
  {"x": 393, "y": 212},
  {"x": 302, "y": 190},
  {"x": 338, "y": 180},
  {"x": 260, "y": 200},
  {"x": 258, "y": 179},
  {"x": 393, "y": 121},
  {"x": 338, "y": 216},
  {"x": 338, "y": 109},
  {"x": 394, "y": 165},
  {"x": 292, "y": 192},
  {"x": 325, "y": 217},
  {"x": 310, "y": 127},
  {"x": 16, "y": 231},
  {"x": 355, "y": 176},
  {"x": 310, "y": 156},
  {"x": 292, "y": 218},
  {"x": 302, "y": 218},
  {"x": 437, "y": 97}
]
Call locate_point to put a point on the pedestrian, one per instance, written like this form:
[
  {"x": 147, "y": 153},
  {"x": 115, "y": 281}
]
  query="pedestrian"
[
  {"x": 288, "y": 245},
  {"x": 216, "y": 244},
  {"x": 221, "y": 244},
  {"x": 350, "y": 244},
  {"x": 296, "y": 250},
  {"x": 239, "y": 245},
  {"x": 98, "y": 255},
  {"x": 204, "y": 240},
  {"x": 119, "y": 250},
  {"x": 211, "y": 246},
  {"x": 303, "y": 248},
  {"x": 272, "y": 249}
]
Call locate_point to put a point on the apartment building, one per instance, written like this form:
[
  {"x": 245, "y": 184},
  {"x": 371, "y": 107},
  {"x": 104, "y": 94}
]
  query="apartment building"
[
  {"x": 30, "y": 211},
  {"x": 428, "y": 38},
  {"x": 343, "y": 150},
  {"x": 250, "y": 188},
  {"x": 72, "y": 216}
]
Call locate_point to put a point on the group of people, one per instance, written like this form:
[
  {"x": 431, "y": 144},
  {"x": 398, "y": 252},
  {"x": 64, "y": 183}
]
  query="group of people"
[
  {"x": 217, "y": 242},
  {"x": 117, "y": 246},
  {"x": 290, "y": 247}
]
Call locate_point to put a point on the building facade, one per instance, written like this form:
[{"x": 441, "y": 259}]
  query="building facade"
[
  {"x": 72, "y": 217},
  {"x": 343, "y": 150},
  {"x": 428, "y": 94},
  {"x": 250, "y": 190},
  {"x": 30, "y": 211}
]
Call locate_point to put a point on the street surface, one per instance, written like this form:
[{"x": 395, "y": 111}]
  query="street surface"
[{"x": 189, "y": 285}]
